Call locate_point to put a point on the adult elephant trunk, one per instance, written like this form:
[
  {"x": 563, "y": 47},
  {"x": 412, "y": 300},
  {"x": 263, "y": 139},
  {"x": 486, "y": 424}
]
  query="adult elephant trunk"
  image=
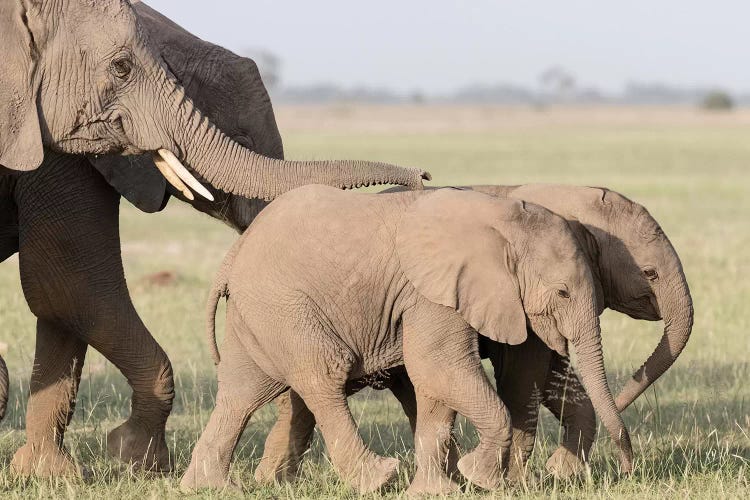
[
  {"x": 228, "y": 166},
  {"x": 676, "y": 307},
  {"x": 591, "y": 368}
]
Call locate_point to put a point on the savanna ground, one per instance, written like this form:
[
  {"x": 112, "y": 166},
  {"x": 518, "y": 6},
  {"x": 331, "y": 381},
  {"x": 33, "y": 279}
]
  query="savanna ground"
[{"x": 691, "y": 432}]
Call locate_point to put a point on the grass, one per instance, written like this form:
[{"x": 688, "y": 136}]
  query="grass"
[{"x": 691, "y": 432}]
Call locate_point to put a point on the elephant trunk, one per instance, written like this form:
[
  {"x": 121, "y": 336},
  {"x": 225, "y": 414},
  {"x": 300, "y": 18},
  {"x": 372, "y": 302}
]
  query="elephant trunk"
[
  {"x": 591, "y": 365},
  {"x": 228, "y": 166},
  {"x": 4, "y": 385},
  {"x": 676, "y": 307}
]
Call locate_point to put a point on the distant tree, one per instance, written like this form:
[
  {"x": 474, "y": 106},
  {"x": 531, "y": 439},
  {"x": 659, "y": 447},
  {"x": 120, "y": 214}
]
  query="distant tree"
[
  {"x": 717, "y": 100},
  {"x": 269, "y": 66},
  {"x": 557, "y": 83},
  {"x": 417, "y": 97}
]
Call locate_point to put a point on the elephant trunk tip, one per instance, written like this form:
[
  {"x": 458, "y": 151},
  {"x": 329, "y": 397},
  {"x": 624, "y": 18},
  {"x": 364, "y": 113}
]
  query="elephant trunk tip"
[{"x": 678, "y": 325}]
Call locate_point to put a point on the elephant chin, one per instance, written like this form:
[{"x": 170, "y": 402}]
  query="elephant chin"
[{"x": 544, "y": 329}]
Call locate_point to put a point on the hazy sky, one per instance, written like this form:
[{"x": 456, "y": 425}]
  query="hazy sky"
[{"x": 438, "y": 45}]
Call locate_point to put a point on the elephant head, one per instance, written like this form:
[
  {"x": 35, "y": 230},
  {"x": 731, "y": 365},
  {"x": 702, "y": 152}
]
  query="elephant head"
[
  {"x": 226, "y": 87},
  {"x": 504, "y": 264},
  {"x": 84, "y": 77},
  {"x": 640, "y": 272}
]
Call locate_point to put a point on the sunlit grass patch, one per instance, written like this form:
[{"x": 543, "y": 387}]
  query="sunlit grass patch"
[{"x": 691, "y": 431}]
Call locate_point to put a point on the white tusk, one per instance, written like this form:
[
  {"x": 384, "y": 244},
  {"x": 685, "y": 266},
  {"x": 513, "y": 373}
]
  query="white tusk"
[
  {"x": 185, "y": 176},
  {"x": 172, "y": 178}
]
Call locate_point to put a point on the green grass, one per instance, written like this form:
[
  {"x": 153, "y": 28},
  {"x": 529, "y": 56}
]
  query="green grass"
[{"x": 691, "y": 432}]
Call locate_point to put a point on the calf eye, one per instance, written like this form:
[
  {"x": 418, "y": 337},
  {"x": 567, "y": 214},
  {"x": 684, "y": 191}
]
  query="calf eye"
[
  {"x": 651, "y": 274},
  {"x": 121, "y": 67},
  {"x": 563, "y": 293}
]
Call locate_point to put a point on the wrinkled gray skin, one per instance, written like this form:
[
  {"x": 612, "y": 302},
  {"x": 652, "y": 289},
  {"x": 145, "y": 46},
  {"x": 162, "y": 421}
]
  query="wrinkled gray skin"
[
  {"x": 636, "y": 270},
  {"x": 397, "y": 279},
  {"x": 84, "y": 77},
  {"x": 63, "y": 221}
]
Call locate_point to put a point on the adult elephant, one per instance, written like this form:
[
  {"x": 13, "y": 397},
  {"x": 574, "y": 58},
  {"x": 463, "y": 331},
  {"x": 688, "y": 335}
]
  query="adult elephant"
[
  {"x": 63, "y": 217},
  {"x": 83, "y": 77}
]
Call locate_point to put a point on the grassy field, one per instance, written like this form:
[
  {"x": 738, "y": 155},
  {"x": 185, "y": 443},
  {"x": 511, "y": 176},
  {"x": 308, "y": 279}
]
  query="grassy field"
[{"x": 692, "y": 170}]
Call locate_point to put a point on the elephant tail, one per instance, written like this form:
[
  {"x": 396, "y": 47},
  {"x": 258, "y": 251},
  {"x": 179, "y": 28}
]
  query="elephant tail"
[
  {"x": 219, "y": 289},
  {"x": 4, "y": 384}
]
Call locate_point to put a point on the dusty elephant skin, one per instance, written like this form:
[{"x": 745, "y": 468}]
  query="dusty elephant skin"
[
  {"x": 443, "y": 265},
  {"x": 57, "y": 206},
  {"x": 636, "y": 271}
]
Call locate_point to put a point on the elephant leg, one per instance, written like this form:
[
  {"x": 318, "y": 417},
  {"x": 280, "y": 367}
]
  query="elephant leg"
[
  {"x": 566, "y": 398},
  {"x": 8, "y": 218},
  {"x": 325, "y": 395},
  {"x": 520, "y": 375},
  {"x": 58, "y": 361},
  {"x": 402, "y": 388},
  {"x": 292, "y": 433},
  {"x": 288, "y": 440},
  {"x": 439, "y": 350},
  {"x": 243, "y": 389},
  {"x": 433, "y": 416},
  {"x": 434, "y": 450},
  {"x": 72, "y": 276}
]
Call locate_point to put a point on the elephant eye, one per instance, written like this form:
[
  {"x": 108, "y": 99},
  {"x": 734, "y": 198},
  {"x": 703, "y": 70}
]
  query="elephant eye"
[
  {"x": 651, "y": 274},
  {"x": 121, "y": 67},
  {"x": 563, "y": 293}
]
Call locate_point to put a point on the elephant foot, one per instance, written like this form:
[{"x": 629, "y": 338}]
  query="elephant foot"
[
  {"x": 516, "y": 470},
  {"x": 481, "y": 470},
  {"x": 201, "y": 475},
  {"x": 277, "y": 470},
  {"x": 432, "y": 483},
  {"x": 43, "y": 461},
  {"x": 376, "y": 473},
  {"x": 131, "y": 443},
  {"x": 564, "y": 465},
  {"x": 516, "y": 475}
]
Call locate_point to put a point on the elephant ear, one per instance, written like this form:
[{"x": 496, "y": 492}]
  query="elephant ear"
[
  {"x": 590, "y": 246},
  {"x": 451, "y": 250},
  {"x": 136, "y": 178},
  {"x": 20, "y": 133}
]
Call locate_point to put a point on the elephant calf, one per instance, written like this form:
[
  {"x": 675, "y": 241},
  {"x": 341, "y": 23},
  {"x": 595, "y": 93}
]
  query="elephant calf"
[
  {"x": 636, "y": 271},
  {"x": 327, "y": 287}
]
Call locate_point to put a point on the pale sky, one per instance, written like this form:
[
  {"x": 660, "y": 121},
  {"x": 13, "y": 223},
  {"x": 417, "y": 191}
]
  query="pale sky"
[{"x": 438, "y": 45}]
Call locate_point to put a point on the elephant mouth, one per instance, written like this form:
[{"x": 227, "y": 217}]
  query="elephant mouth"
[
  {"x": 103, "y": 134},
  {"x": 88, "y": 145},
  {"x": 644, "y": 307}
]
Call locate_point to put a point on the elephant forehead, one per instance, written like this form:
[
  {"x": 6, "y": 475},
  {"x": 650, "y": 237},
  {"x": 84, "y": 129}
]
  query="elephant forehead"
[{"x": 111, "y": 20}]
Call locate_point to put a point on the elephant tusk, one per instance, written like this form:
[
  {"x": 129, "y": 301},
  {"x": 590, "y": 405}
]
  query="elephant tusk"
[
  {"x": 172, "y": 178},
  {"x": 183, "y": 173}
]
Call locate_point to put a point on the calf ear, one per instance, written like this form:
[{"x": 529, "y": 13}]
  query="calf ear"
[
  {"x": 136, "y": 178},
  {"x": 452, "y": 252},
  {"x": 20, "y": 133}
]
